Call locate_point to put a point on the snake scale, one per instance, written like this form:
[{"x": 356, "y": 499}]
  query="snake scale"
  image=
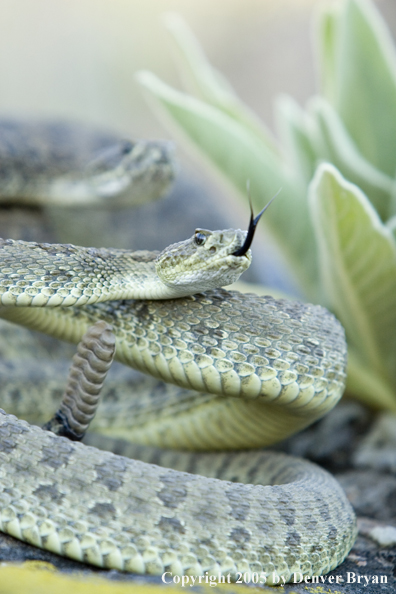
[{"x": 262, "y": 368}]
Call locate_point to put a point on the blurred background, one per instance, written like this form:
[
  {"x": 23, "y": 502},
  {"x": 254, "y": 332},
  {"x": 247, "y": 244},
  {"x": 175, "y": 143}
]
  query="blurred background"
[{"x": 76, "y": 59}]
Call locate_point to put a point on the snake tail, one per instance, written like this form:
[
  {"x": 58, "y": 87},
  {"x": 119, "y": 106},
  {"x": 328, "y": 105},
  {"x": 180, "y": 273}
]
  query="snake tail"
[{"x": 95, "y": 354}]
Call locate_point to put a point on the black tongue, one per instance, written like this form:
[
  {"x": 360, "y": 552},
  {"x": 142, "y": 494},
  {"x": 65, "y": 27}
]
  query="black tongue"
[{"x": 252, "y": 228}]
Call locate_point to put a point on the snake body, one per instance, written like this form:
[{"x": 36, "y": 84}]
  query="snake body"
[{"x": 264, "y": 368}]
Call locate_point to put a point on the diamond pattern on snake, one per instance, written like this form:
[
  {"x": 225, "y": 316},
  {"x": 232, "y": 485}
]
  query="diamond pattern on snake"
[{"x": 248, "y": 371}]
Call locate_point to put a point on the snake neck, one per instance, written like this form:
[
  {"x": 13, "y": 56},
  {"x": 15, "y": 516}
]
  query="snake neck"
[
  {"x": 140, "y": 279},
  {"x": 53, "y": 275},
  {"x": 93, "y": 275},
  {"x": 147, "y": 285}
]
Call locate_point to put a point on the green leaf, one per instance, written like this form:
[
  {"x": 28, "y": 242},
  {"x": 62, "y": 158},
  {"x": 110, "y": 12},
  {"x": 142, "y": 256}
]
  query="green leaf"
[
  {"x": 365, "y": 83},
  {"x": 319, "y": 135},
  {"x": 364, "y": 384},
  {"x": 335, "y": 145},
  {"x": 295, "y": 129},
  {"x": 357, "y": 260},
  {"x": 206, "y": 83},
  {"x": 239, "y": 155},
  {"x": 327, "y": 23},
  {"x": 391, "y": 225}
]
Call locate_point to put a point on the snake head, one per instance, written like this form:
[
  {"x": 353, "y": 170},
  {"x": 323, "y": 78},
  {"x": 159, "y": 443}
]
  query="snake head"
[
  {"x": 209, "y": 259},
  {"x": 126, "y": 173},
  {"x": 205, "y": 261}
]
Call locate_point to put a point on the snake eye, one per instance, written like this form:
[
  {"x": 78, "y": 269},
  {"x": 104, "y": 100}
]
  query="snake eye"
[
  {"x": 199, "y": 238},
  {"x": 126, "y": 147}
]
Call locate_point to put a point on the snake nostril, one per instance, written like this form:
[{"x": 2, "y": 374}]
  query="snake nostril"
[{"x": 212, "y": 249}]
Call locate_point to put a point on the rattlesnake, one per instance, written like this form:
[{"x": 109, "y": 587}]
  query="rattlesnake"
[{"x": 267, "y": 367}]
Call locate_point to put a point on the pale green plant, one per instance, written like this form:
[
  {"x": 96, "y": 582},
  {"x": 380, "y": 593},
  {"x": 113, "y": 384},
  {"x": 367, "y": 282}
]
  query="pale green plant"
[{"x": 336, "y": 162}]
